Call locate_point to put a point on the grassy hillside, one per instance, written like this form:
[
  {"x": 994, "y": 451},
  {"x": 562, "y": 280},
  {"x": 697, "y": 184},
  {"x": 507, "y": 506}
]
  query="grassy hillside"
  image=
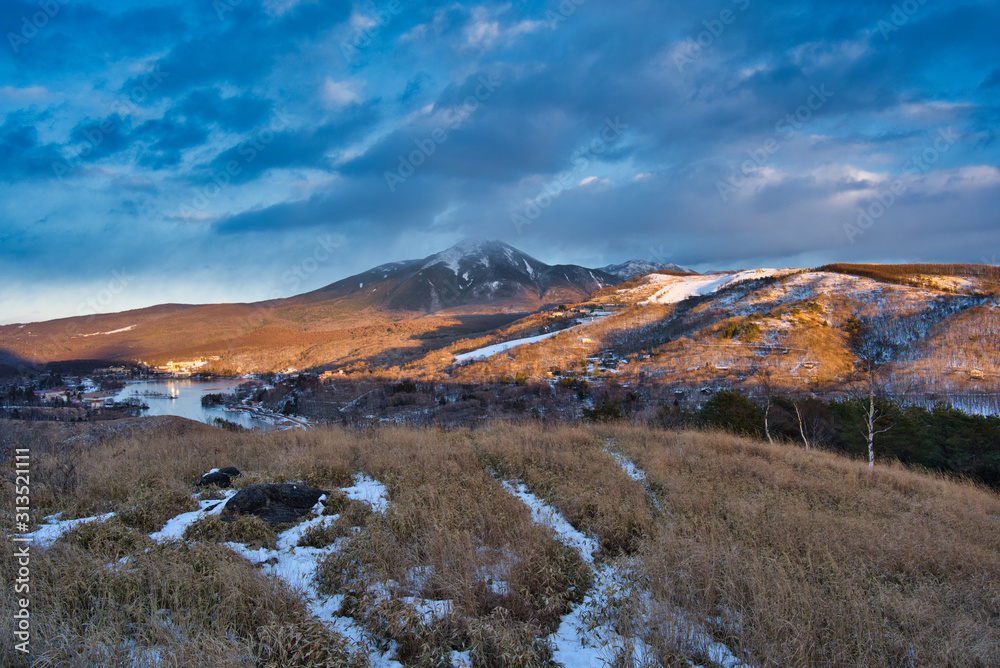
[
  {"x": 940, "y": 318},
  {"x": 708, "y": 546}
]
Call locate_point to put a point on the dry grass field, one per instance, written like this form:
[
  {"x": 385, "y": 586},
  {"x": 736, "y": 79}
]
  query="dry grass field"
[{"x": 711, "y": 550}]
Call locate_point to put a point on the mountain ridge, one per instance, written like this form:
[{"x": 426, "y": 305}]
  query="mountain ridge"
[
  {"x": 631, "y": 268},
  {"x": 475, "y": 273},
  {"x": 390, "y": 309}
]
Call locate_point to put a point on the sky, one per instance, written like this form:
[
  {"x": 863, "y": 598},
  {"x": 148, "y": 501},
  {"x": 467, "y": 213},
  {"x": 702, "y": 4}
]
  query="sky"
[{"x": 240, "y": 150}]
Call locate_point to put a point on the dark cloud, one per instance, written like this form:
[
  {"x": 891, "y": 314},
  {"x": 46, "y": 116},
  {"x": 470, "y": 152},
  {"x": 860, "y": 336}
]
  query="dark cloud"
[
  {"x": 378, "y": 127},
  {"x": 274, "y": 144},
  {"x": 237, "y": 112},
  {"x": 22, "y": 156}
]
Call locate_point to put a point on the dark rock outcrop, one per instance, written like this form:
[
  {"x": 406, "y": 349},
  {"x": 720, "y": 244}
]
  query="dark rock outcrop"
[
  {"x": 221, "y": 477},
  {"x": 275, "y": 504}
]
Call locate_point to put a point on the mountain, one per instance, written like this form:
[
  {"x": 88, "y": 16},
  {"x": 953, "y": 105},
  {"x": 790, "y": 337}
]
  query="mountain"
[
  {"x": 389, "y": 313},
  {"x": 471, "y": 277},
  {"x": 629, "y": 270}
]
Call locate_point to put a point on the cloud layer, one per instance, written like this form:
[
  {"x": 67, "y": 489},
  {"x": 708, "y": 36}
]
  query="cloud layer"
[{"x": 206, "y": 149}]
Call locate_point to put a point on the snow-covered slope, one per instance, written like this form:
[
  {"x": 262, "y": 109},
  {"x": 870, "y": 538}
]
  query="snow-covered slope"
[{"x": 673, "y": 289}]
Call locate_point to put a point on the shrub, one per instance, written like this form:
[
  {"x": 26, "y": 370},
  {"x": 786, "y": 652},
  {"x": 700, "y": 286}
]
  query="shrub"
[
  {"x": 148, "y": 509},
  {"x": 323, "y": 535},
  {"x": 733, "y": 412},
  {"x": 244, "y": 529},
  {"x": 606, "y": 411},
  {"x": 112, "y": 540}
]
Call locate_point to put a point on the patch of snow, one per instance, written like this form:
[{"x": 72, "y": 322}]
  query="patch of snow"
[
  {"x": 328, "y": 611},
  {"x": 678, "y": 288},
  {"x": 631, "y": 470},
  {"x": 461, "y": 659},
  {"x": 527, "y": 265},
  {"x": 544, "y": 514},
  {"x": 429, "y": 610},
  {"x": 174, "y": 528},
  {"x": 150, "y": 657},
  {"x": 577, "y": 642},
  {"x": 49, "y": 533},
  {"x": 114, "y": 331},
  {"x": 496, "y": 348},
  {"x": 291, "y": 537},
  {"x": 370, "y": 491},
  {"x": 296, "y": 566}
]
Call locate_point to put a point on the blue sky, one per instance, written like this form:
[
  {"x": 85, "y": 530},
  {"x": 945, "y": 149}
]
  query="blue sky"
[{"x": 238, "y": 150}]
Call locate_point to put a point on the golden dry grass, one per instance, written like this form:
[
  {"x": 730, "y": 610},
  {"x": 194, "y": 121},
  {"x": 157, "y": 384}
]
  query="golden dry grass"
[
  {"x": 790, "y": 558},
  {"x": 806, "y": 559},
  {"x": 193, "y": 605}
]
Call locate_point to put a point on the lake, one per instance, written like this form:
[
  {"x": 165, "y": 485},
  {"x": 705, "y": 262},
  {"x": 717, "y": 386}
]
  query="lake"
[{"x": 188, "y": 402}]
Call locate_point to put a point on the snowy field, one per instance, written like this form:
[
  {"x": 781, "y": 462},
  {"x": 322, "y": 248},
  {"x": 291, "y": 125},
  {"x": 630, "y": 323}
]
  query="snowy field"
[{"x": 674, "y": 289}]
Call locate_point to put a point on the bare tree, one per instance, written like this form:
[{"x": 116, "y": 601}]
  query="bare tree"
[
  {"x": 871, "y": 393},
  {"x": 765, "y": 381},
  {"x": 802, "y": 423},
  {"x": 813, "y": 419}
]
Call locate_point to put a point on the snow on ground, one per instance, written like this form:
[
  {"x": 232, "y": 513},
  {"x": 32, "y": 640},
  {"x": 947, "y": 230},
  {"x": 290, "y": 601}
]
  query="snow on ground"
[
  {"x": 496, "y": 348},
  {"x": 631, "y": 470},
  {"x": 577, "y": 642},
  {"x": 293, "y": 565},
  {"x": 49, "y": 533},
  {"x": 582, "y": 641},
  {"x": 114, "y": 331},
  {"x": 296, "y": 566},
  {"x": 678, "y": 288},
  {"x": 489, "y": 351},
  {"x": 174, "y": 529},
  {"x": 635, "y": 473},
  {"x": 544, "y": 514},
  {"x": 461, "y": 659},
  {"x": 370, "y": 491}
]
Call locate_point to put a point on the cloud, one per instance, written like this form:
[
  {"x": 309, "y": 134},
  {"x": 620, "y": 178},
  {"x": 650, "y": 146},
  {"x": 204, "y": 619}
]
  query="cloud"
[
  {"x": 314, "y": 133},
  {"x": 22, "y": 155},
  {"x": 339, "y": 93}
]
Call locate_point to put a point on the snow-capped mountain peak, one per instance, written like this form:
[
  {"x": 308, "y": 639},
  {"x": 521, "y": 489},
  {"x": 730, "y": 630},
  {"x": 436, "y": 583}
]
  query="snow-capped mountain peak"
[
  {"x": 482, "y": 252},
  {"x": 632, "y": 268},
  {"x": 476, "y": 273}
]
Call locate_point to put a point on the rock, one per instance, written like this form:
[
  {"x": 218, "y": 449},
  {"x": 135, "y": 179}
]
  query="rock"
[
  {"x": 275, "y": 504},
  {"x": 221, "y": 477}
]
